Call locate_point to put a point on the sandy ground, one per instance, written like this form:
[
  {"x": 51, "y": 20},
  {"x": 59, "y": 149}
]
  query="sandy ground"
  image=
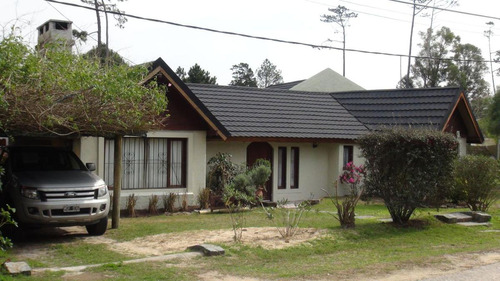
[{"x": 267, "y": 237}]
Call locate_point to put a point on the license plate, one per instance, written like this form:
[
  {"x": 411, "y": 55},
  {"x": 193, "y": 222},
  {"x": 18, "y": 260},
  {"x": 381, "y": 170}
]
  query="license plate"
[{"x": 71, "y": 209}]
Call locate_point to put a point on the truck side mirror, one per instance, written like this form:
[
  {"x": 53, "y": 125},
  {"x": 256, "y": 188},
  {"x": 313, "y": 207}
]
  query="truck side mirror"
[{"x": 90, "y": 166}]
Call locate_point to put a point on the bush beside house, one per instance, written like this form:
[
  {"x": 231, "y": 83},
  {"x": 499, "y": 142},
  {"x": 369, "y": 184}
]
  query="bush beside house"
[{"x": 408, "y": 168}]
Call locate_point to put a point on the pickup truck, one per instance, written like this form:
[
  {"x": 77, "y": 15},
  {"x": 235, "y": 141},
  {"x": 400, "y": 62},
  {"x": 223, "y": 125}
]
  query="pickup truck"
[{"x": 50, "y": 186}]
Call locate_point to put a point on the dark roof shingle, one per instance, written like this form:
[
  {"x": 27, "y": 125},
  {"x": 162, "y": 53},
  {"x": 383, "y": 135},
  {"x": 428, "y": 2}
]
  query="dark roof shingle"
[
  {"x": 274, "y": 113},
  {"x": 406, "y": 107}
]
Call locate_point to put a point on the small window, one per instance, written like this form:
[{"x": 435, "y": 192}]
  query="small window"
[
  {"x": 281, "y": 167},
  {"x": 61, "y": 25},
  {"x": 348, "y": 154},
  {"x": 294, "y": 168}
]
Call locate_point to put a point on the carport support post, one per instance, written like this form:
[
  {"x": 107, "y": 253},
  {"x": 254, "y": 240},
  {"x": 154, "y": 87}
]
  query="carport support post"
[{"x": 117, "y": 184}]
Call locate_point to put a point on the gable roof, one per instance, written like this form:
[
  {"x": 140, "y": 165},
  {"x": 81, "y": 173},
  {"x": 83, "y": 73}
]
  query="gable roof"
[
  {"x": 424, "y": 107},
  {"x": 327, "y": 81},
  {"x": 247, "y": 112}
]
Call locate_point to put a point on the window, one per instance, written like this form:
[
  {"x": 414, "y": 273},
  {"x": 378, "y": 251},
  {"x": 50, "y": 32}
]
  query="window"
[
  {"x": 281, "y": 167},
  {"x": 348, "y": 154},
  {"x": 149, "y": 163},
  {"x": 177, "y": 163},
  {"x": 294, "y": 168}
]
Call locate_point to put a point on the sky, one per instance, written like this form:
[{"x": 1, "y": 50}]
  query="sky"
[{"x": 381, "y": 26}]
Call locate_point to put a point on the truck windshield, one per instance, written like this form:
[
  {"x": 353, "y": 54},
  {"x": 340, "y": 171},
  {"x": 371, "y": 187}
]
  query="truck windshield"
[{"x": 44, "y": 160}]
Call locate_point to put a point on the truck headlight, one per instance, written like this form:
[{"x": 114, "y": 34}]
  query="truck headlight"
[
  {"x": 29, "y": 192},
  {"x": 103, "y": 190}
]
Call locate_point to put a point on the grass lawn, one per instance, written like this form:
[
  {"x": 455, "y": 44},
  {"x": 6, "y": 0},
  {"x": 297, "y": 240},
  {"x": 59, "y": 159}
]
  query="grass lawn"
[{"x": 372, "y": 247}]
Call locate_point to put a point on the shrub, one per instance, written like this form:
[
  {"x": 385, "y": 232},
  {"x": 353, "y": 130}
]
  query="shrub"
[
  {"x": 353, "y": 176},
  {"x": 477, "y": 179},
  {"x": 169, "y": 202},
  {"x": 286, "y": 219},
  {"x": 153, "y": 204},
  {"x": 221, "y": 172},
  {"x": 408, "y": 168},
  {"x": 241, "y": 192},
  {"x": 204, "y": 198},
  {"x": 131, "y": 202}
]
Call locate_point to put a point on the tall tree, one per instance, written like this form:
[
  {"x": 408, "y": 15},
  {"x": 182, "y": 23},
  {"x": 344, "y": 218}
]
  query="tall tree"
[
  {"x": 268, "y": 74},
  {"x": 243, "y": 75},
  {"x": 198, "y": 75},
  {"x": 181, "y": 73},
  {"x": 467, "y": 71},
  {"x": 494, "y": 116},
  {"x": 418, "y": 7},
  {"x": 341, "y": 16},
  {"x": 431, "y": 67},
  {"x": 102, "y": 6},
  {"x": 489, "y": 33}
]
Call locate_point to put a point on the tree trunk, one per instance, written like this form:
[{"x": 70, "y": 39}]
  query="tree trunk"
[
  {"x": 343, "y": 51},
  {"x": 99, "y": 40},
  {"x": 117, "y": 177},
  {"x": 411, "y": 42},
  {"x": 106, "y": 59}
]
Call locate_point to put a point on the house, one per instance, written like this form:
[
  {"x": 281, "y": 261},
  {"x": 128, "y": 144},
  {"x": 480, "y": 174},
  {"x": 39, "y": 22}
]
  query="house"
[{"x": 308, "y": 136}]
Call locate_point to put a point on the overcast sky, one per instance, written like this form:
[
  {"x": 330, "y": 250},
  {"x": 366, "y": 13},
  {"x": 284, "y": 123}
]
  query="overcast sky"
[{"x": 381, "y": 26}]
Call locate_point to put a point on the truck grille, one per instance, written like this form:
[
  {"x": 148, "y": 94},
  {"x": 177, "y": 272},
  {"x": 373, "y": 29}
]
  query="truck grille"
[
  {"x": 46, "y": 196},
  {"x": 61, "y": 213}
]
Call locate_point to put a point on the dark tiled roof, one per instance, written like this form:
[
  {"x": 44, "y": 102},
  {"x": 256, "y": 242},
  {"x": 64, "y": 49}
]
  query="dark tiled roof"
[
  {"x": 285, "y": 86},
  {"x": 407, "y": 107},
  {"x": 253, "y": 112}
]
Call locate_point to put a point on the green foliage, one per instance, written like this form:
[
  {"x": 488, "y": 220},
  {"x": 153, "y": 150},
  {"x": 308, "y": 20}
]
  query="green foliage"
[
  {"x": 408, "y": 168},
  {"x": 59, "y": 93},
  {"x": 105, "y": 55},
  {"x": 444, "y": 61},
  {"x": 268, "y": 74},
  {"x": 196, "y": 75},
  {"x": 477, "y": 181},
  {"x": 221, "y": 172},
  {"x": 6, "y": 219},
  {"x": 241, "y": 192},
  {"x": 494, "y": 115},
  {"x": 243, "y": 75},
  {"x": 260, "y": 173},
  {"x": 286, "y": 218}
]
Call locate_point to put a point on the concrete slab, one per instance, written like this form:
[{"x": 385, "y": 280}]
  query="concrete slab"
[
  {"x": 208, "y": 249},
  {"x": 17, "y": 268},
  {"x": 471, "y": 223},
  {"x": 454, "y": 217},
  {"x": 385, "y": 220}
]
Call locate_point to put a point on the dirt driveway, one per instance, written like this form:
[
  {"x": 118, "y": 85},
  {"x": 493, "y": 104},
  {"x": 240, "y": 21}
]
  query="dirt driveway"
[{"x": 161, "y": 244}]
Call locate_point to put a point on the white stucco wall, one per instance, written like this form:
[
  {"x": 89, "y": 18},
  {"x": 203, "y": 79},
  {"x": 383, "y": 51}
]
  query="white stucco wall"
[
  {"x": 319, "y": 166},
  {"x": 91, "y": 149}
]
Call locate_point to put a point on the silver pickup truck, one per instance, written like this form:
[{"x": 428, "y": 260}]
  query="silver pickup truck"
[{"x": 50, "y": 186}]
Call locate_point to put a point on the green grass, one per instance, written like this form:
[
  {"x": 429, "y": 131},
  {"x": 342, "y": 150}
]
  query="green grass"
[{"x": 371, "y": 247}]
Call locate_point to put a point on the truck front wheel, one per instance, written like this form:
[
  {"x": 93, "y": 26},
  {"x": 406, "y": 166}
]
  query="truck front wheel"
[{"x": 98, "y": 228}]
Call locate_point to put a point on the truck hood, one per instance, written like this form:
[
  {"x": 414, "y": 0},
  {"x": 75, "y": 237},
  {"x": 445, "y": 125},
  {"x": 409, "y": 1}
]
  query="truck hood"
[{"x": 58, "y": 179}]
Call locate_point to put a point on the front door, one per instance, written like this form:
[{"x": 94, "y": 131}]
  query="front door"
[{"x": 261, "y": 150}]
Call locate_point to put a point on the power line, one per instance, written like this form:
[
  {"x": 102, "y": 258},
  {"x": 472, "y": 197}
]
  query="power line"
[
  {"x": 447, "y": 10},
  {"x": 315, "y": 46}
]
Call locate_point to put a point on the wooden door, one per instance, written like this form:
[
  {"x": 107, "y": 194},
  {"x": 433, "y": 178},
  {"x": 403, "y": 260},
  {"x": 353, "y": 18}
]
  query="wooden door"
[{"x": 262, "y": 150}]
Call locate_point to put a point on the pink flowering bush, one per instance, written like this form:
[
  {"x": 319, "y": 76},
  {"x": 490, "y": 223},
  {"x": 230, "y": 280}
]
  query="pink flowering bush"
[{"x": 353, "y": 176}]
